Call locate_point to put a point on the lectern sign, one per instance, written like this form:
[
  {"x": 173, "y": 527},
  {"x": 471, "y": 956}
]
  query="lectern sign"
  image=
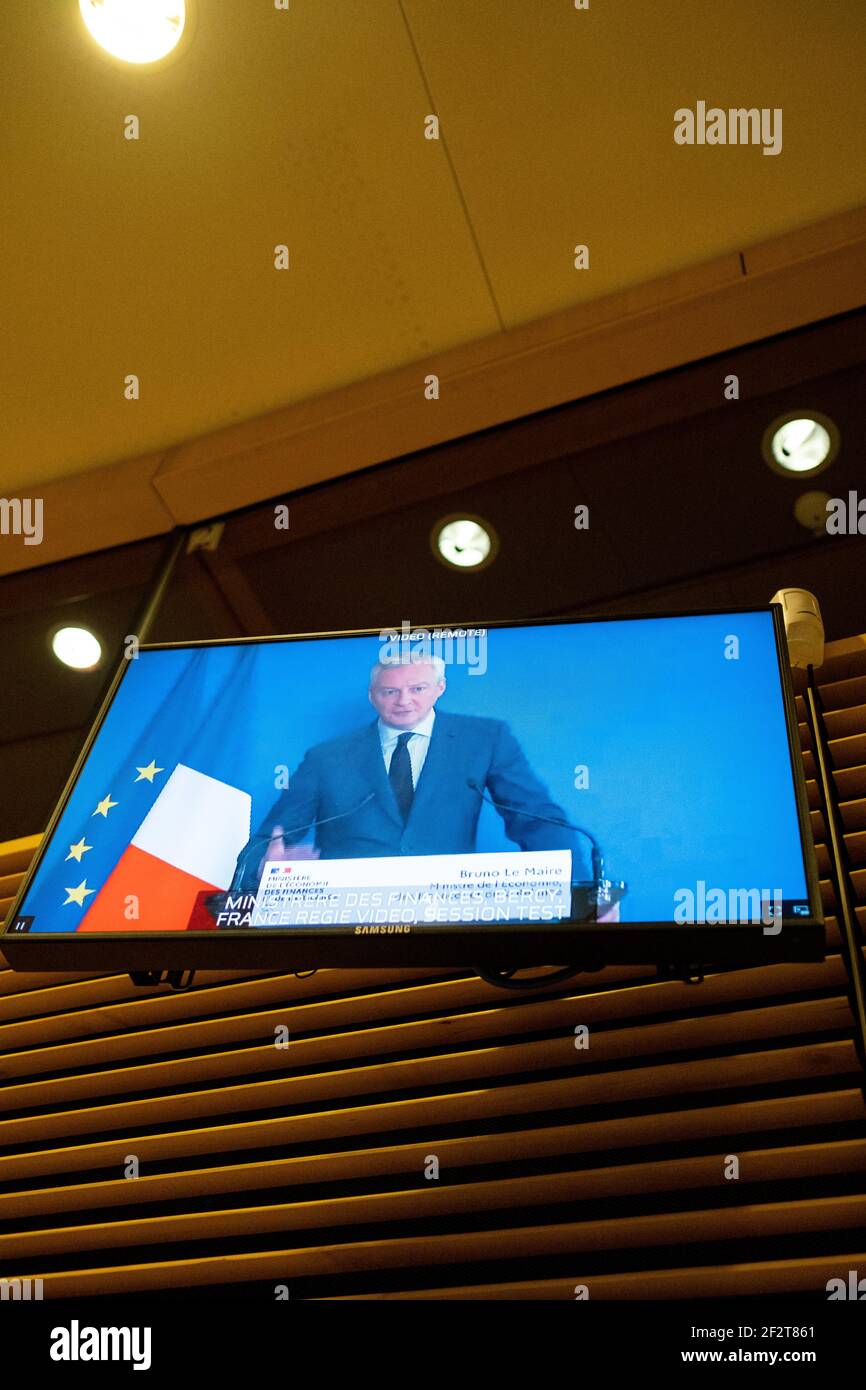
[{"x": 509, "y": 887}]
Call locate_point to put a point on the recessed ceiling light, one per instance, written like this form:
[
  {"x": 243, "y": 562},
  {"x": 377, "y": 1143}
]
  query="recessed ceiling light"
[
  {"x": 464, "y": 542},
  {"x": 800, "y": 442},
  {"x": 77, "y": 647},
  {"x": 136, "y": 31}
]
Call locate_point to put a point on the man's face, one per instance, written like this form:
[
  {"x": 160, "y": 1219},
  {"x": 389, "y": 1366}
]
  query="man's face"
[{"x": 403, "y": 695}]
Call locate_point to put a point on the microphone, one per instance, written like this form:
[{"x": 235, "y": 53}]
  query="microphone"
[
  {"x": 241, "y": 868},
  {"x": 597, "y": 859}
]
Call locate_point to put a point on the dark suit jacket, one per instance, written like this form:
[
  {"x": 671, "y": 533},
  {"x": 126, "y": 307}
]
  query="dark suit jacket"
[{"x": 336, "y": 777}]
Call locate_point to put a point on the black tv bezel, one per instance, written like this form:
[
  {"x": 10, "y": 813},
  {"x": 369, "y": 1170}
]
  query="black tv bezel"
[{"x": 590, "y": 945}]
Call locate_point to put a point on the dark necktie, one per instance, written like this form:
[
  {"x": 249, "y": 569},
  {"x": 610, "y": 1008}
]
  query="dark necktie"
[{"x": 400, "y": 776}]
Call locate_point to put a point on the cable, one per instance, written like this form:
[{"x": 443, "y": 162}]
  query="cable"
[{"x": 503, "y": 979}]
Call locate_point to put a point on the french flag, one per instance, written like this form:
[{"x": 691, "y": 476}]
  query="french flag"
[{"x": 188, "y": 843}]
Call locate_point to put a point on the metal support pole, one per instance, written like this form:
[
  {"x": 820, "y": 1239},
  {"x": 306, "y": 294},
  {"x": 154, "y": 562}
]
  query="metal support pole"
[
  {"x": 144, "y": 619},
  {"x": 840, "y": 868},
  {"x": 142, "y": 622}
]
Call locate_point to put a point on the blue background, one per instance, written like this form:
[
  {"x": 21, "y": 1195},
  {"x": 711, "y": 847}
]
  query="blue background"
[{"x": 689, "y": 770}]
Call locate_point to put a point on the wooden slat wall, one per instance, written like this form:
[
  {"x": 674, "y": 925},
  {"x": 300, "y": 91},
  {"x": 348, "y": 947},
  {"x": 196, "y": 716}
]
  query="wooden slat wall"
[{"x": 308, "y": 1166}]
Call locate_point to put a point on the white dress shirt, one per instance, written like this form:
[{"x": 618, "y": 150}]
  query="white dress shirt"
[{"x": 417, "y": 745}]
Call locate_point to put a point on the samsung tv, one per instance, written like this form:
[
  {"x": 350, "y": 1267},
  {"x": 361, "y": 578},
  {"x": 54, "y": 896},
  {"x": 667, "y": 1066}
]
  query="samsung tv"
[{"x": 547, "y": 792}]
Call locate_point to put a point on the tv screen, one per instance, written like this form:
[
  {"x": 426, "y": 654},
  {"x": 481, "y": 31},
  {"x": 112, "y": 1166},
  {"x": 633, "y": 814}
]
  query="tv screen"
[{"x": 547, "y": 792}]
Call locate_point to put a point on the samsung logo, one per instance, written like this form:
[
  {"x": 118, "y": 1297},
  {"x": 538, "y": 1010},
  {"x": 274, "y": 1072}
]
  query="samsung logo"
[{"x": 381, "y": 930}]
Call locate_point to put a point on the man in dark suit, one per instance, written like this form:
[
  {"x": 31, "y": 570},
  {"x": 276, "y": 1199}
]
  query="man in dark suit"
[{"x": 401, "y": 785}]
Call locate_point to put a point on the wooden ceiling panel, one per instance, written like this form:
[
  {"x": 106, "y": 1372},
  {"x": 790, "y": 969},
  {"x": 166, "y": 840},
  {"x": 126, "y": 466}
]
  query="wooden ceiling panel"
[
  {"x": 156, "y": 256},
  {"x": 305, "y": 126},
  {"x": 560, "y": 123}
]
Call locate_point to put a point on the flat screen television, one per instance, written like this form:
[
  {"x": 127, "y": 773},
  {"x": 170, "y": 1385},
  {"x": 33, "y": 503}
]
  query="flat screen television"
[{"x": 547, "y": 792}]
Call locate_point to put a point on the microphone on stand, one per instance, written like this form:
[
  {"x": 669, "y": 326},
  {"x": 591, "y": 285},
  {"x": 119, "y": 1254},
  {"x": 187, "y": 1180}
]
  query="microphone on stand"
[
  {"x": 254, "y": 840},
  {"x": 596, "y": 854}
]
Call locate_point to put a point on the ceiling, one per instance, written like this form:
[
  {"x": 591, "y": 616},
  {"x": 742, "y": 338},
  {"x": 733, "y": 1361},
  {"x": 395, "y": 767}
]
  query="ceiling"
[
  {"x": 305, "y": 127},
  {"x": 684, "y": 514}
]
